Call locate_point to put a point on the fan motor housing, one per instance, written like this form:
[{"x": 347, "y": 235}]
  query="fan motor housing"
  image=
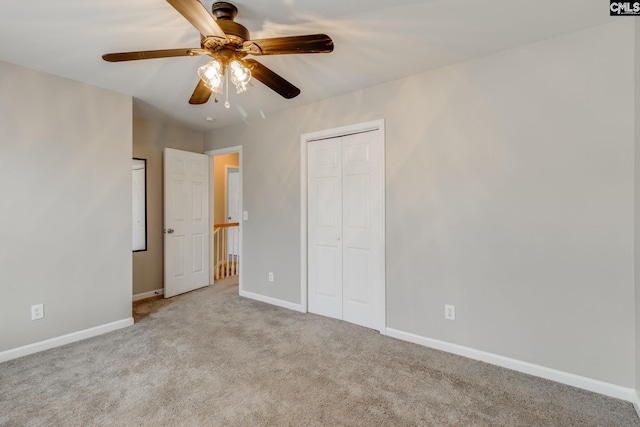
[
  {"x": 223, "y": 10},
  {"x": 236, "y": 33},
  {"x": 225, "y": 14}
]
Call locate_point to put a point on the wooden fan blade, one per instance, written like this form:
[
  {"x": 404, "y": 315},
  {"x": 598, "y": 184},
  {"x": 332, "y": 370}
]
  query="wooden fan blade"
[
  {"x": 313, "y": 43},
  {"x": 198, "y": 16},
  {"x": 201, "y": 95},
  {"x": 271, "y": 79},
  {"x": 151, "y": 54}
]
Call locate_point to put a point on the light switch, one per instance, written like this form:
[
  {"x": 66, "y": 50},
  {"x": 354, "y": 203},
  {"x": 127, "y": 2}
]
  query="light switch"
[{"x": 245, "y": 215}]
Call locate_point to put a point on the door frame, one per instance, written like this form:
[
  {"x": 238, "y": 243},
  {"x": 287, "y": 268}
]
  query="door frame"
[
  {"x": 212, "y": 154},
  {"x": 305, "y": 139}
]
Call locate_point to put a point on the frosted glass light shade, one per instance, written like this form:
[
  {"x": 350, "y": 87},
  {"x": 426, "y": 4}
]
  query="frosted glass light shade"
[
  {"x": 212, "y": 74},
  {"x": 240, "y": 75}
]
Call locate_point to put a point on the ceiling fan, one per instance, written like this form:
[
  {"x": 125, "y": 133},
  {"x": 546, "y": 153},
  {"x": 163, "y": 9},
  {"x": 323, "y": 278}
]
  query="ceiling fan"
[{"x": 228, "y": 43}]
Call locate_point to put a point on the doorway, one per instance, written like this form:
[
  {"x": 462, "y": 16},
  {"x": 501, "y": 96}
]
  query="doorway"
[
  {"x": 226, "y": 213},
  {"x": 342, "y": 206}
]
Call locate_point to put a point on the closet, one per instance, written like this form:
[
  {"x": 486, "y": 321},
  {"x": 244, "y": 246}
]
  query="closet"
[{"x": 345, "y": 228}]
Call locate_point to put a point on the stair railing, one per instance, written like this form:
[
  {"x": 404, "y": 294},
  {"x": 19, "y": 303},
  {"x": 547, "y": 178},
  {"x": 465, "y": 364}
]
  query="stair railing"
[{"x": 226, "y": 255}]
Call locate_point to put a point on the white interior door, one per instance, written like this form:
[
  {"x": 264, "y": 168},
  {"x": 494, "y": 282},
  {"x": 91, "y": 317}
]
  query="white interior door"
[
  {"x": 325, "y": 227},
  {"x": 362, "y": 179},
  {"x": 233, "y": 209},
  {"x": 345, "y": 238},
  {"x": 186, "y": 221}
]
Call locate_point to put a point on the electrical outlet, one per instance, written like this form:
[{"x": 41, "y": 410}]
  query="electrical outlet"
[
  {"x": 37, "y": 311},
  {"x": 271, "y": 276},
  {"x": 450, "y": 312}
]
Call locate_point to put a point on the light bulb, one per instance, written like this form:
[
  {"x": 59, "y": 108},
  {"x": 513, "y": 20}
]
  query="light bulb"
[
  {"x": 240, "y": 75},
  {"x": 211, "y": 74}
]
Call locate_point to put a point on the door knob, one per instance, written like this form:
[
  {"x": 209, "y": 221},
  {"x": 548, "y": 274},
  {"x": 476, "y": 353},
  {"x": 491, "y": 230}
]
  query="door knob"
[
  {"x": 338, "y": 238},
  {"x": 170, "y": 231}
]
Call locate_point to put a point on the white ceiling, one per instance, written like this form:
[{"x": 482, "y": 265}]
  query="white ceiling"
[{"x": 375, "y": 41}]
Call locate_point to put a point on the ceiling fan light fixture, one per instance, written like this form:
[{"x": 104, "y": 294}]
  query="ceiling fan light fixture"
[
  {"x": 228, "y": 42},
  {"x": 212, "y": 74},
  {"x": 240, "y": 75}
]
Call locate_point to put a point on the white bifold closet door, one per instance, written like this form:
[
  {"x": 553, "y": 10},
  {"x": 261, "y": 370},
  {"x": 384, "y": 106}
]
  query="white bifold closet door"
[{"x": 345, "y": 230}]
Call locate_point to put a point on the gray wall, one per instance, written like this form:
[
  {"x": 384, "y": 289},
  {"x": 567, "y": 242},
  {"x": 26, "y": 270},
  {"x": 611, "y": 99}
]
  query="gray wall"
[
  {"x": 65, "y": 181},
  {"x": 149, "y": 140},
  {"x": 510, "y": 193}
]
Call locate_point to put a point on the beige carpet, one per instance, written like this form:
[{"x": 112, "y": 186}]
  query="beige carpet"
[{"x": 211, "y": 358}]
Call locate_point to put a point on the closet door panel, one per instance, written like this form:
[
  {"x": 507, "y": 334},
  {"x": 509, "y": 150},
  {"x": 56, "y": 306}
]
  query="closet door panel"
[
  {"x": 325, "y": 228},
  {"x": 362, "y": 206}
]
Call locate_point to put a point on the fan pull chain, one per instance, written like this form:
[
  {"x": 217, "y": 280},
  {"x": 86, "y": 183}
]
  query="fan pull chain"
[{"x": 226, "y": 104}]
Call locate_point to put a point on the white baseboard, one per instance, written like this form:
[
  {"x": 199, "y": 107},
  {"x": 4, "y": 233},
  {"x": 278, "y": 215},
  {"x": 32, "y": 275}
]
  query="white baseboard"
[
  {"x": 14, "y": 353},
  {"x": 636, "y": 401},
  {"x": 273, "y": 301},
  {"x": 150, "y": 294},
  {"x": 578, "y": 381}
]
